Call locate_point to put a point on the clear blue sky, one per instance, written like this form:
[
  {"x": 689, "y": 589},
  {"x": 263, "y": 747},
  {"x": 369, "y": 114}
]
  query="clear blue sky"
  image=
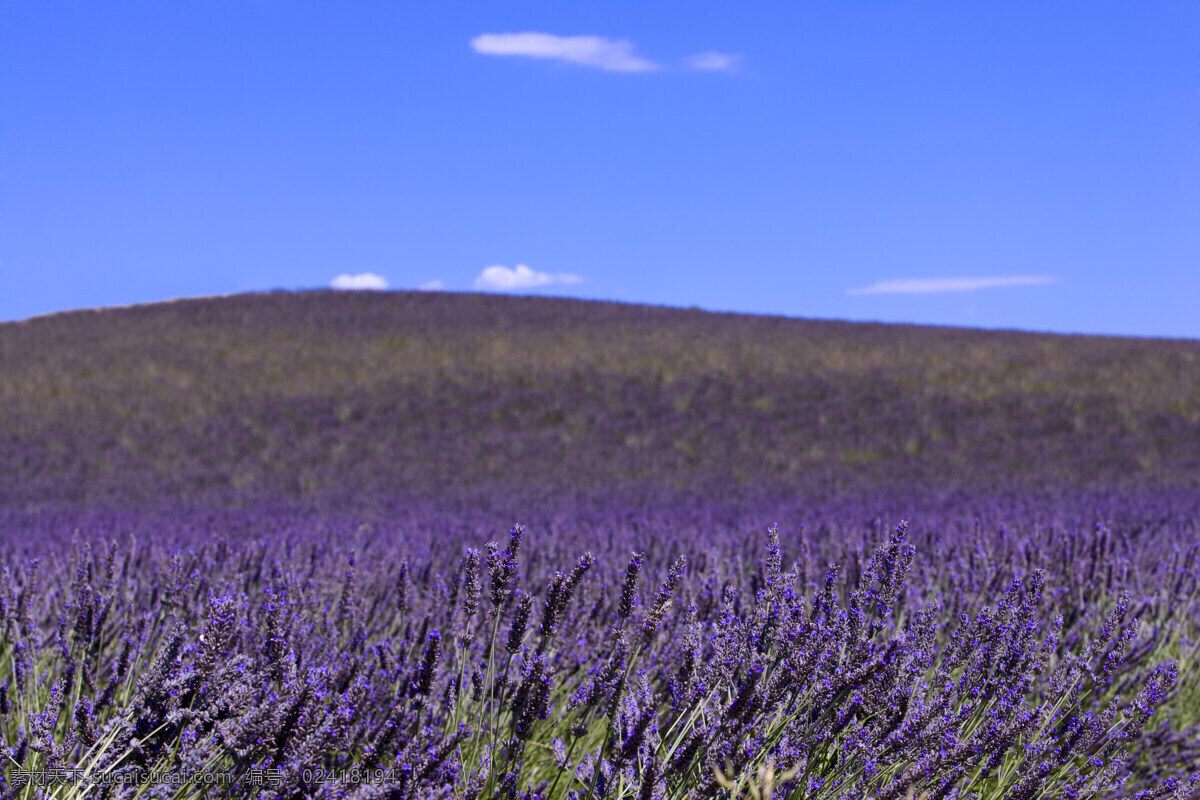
[{"x": 999, "y": 164}]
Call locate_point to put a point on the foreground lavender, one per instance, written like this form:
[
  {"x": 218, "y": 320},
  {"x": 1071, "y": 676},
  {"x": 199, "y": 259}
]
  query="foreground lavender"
[{"x": 1057, "y": 663}]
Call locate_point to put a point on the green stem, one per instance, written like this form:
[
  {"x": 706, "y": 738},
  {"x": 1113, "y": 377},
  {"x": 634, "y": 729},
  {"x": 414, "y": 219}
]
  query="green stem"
[
  {"x": 587, "y": 724},
  {"x": 566, "y": 762},
  {"x": 462, "y": 664},
  {"x": 484, "y": 701},
  {"x": 608, "y": 733}
]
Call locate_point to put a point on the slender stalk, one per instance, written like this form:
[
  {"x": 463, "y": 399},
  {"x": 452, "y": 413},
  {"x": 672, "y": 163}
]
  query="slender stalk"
[
  {"x": 608, "y": 733},
  {"x": 588, "y": 723},
  {"x": 462, "y": 665},
  {"x": 487, "y": 688}
]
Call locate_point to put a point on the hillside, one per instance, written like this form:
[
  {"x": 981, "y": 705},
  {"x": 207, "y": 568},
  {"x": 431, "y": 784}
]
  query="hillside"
[{"x": 353, "y": 396}]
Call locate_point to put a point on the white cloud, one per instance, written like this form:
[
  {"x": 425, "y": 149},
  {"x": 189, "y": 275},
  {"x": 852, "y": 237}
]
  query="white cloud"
[
  {"x": 614, "y": 55},
  {"x": 431, "y": 286},
  {"x": 939, "y": 285},
  {"x": 364, "y": 280},
  {"x": 504, "y": 279},
  {"x": 712, "y": 61}
]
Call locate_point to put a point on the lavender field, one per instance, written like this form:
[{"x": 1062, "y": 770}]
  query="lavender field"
[{"x": 416, "y": 545}]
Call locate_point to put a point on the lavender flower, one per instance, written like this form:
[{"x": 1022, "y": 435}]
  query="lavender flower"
[
  {"x": 502, "y": 567},
  {"x": 629, "y": 586},
  {"x": 662, "y": 601},
  {"x": 520, "y": 622}
]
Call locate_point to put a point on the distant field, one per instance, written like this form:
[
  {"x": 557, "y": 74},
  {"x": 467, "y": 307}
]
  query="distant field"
[{"x": 359, "y": 395}]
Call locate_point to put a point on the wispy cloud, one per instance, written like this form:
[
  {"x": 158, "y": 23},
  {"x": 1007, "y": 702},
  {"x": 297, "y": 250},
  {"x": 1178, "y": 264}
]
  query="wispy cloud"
[
  {"x": 498, "y": 278},
  {"x": 431, "y": 286},
  {"x": 939, "y": 285},
  {"x": 712, "y": 61},
  {"x": 614, "y": 55},
  {"x": 364, "y": 280}
]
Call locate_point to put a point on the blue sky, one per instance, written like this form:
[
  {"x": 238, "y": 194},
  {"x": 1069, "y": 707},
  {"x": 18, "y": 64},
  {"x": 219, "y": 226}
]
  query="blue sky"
[{"x": 1006, "y": 164}]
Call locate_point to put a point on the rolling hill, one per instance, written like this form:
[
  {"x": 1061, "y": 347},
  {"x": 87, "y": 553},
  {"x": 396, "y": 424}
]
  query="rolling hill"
[{"x": 345, "y": 397}]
